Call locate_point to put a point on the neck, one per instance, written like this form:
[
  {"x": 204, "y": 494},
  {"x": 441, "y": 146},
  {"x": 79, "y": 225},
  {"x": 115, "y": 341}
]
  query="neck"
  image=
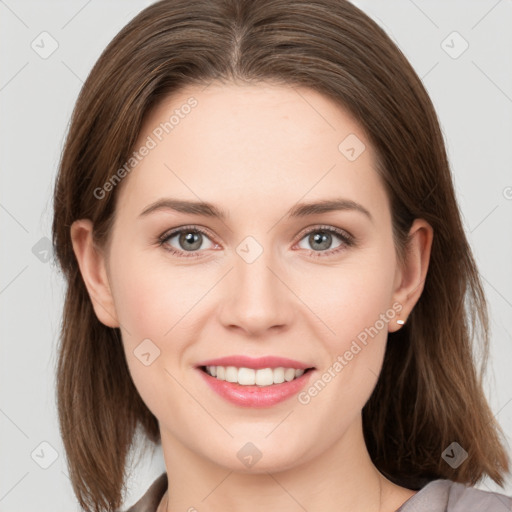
[{"x": 341, "y": 479}]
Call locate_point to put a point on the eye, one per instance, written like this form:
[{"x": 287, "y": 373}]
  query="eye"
[
  {"x": 189, "y": 240},
  {"x": 321, "y": 238}
]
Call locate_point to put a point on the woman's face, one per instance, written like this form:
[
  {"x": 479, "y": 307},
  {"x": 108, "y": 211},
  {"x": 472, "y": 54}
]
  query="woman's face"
[{"x": 259, "y": 282}]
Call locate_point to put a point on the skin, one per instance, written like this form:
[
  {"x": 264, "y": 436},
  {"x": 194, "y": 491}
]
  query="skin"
[{"x": 255, "y": 151}]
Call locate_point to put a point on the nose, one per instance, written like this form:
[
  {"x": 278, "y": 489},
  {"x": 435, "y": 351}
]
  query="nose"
[{"x": 257, "y": 297}]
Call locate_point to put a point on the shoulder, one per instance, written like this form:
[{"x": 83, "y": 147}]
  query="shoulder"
[
  {"x": 150, "y": 500},
  {"x": 465, "y": 498},
  {"x": 448, "y": 496}
]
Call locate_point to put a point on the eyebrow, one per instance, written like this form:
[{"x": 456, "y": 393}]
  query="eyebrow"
[{"x": 299, "y": 210}]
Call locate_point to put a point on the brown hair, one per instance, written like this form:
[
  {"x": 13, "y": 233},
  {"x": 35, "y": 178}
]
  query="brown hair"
[{"x": 429, "y": 392}]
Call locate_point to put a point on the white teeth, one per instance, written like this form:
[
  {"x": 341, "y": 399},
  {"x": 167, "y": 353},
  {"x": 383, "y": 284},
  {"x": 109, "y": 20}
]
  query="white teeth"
[
  {"x": 251, "y": 377},
  {"x": 289, "y": 374},
  {"x": 247, "y": 377},
  {"x": 278, "y": 375},
  {"x": 264, "y": 377},
  {"x": 231, "y": 374}
]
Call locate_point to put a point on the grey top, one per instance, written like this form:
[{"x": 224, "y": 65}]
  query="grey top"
[
  {"x": 448, "y": 496},
  {"x": 436, "y": 496}
]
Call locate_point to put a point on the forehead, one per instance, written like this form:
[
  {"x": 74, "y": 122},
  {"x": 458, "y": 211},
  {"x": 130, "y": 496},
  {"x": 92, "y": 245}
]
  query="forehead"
[{"x": 273, "y": 143}]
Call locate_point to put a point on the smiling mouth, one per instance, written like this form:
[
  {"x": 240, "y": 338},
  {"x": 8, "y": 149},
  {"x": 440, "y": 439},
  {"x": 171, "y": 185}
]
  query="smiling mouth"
[{"x": 250, "y": 377}]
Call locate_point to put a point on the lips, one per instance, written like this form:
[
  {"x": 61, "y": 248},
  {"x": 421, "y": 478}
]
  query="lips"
[
  {"x": 241, "y": 361},
  {"x": 255, "y": 395}
]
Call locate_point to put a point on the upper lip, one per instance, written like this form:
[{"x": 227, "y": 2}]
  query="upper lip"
[{"x": 241, "y": 361}]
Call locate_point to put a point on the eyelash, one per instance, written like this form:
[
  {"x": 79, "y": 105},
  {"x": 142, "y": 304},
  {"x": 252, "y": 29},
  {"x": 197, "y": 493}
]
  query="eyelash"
[{"x": 348, "y": 240}]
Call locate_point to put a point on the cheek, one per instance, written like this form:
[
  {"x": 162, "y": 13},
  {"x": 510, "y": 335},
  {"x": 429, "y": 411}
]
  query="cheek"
[
  {"x": 151, "y": 297},
  {"x": 352, "y": 297},
  {"x": 147, "y": 305},
  {"x": 155, "y": 302},
  {"x": 360, "y": 320},
  {"x": 357, "y": 306}
]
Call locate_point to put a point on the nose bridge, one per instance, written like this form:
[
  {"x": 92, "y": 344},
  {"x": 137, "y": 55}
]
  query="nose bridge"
[{"x": 256, "y": 284}]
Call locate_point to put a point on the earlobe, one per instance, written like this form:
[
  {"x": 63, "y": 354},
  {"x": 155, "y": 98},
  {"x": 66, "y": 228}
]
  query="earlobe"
[
  {"x": 93, "y": 269},
  {"x": 412, "y": 274}
]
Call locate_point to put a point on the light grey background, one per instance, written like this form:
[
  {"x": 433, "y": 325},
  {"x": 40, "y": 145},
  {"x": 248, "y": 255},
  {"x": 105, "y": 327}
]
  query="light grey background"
[{"x": 472, "y": 94}]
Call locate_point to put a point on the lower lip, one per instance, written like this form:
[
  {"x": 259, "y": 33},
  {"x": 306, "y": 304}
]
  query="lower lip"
[{"x": 256, "y": 396}]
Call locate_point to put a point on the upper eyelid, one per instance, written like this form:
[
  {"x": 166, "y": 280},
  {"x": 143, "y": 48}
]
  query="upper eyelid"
[
  {"x": 331, "y": 229},
  {"x": 176, "y": 231}
]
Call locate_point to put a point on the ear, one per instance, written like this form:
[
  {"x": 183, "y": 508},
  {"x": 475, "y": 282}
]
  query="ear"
[
  {"x": 410, "y": 277},
  {"x": 92, "y": 265}
]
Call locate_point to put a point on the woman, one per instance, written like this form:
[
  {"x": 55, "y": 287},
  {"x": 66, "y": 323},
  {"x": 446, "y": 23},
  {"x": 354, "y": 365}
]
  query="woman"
[{"x": 267, "y": 271}]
